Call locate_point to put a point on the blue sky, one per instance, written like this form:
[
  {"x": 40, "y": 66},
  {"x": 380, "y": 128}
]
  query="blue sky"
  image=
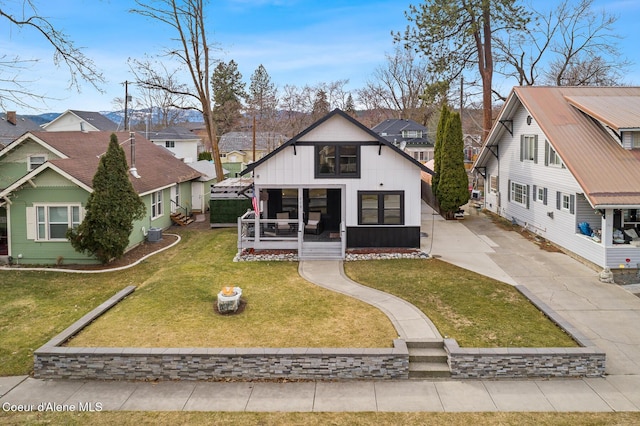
[{"x": 298, "y": 41}]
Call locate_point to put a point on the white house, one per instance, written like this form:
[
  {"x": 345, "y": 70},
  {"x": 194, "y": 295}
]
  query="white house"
[
  {"x": 179, "y": 140},
  {"x": 336, "y": 185},
  {"x": 565, "y": 163},
  {"x": 80, "y": 121}
]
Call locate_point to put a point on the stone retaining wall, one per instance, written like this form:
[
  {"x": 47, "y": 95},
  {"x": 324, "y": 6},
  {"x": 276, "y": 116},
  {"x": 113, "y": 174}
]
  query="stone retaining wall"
[
  {"x": 54, "y": 361},
  {"x": 494, "y": 363}
]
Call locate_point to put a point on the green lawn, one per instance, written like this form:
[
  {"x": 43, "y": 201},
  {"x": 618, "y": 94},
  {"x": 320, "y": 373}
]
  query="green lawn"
[
  {"x": 176, "y": 289},
  {"x": 475, "y": 310}
]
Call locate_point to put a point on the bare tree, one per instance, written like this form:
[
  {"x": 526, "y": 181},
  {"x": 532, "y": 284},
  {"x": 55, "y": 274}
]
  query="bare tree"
[
  {"x": 568, "y": 45},
  {"x": 398, "y": 85},
  {"x": 15, "y": 89},
  {"x": 187, "y": 19},
  {"x": 168, "y": 106}
]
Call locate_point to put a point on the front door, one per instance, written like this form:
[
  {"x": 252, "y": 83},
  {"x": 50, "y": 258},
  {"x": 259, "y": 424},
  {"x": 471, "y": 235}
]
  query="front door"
[{"x": 323, "y": 205}]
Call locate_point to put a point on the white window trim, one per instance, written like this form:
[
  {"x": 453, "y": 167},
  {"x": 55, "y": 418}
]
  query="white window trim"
[
  {"x": 540, "y": 194},
  {"x": 529, "y": 147},
  {"x": 31, "y": 166},
  {"x": 513, "y": 193},
  {"x": 565, "y": 202},
  {"x": 47, "y": 223},
  {"x": 493, "y": 188},
  {"x": 157, "y": 200}
]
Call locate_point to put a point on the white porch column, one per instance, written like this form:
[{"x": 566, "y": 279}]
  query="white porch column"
[{"x": 607, "y": 228}]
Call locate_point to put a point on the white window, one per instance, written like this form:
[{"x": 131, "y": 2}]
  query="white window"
[
  {"x": 36, "y": 161},
  {"x": 412, "y": 133},
  {"x": 566, "y": 202},
  {"x": 636, "y": 140},
  {"x": 156, "y": 204},
  {"x": 518, "y": 194},
  {"x": 54, "y": 221},
  {"x": 540, "y": 194},
  {"x": 170, "y": 144},
  {"x": 529, "y": 148}
]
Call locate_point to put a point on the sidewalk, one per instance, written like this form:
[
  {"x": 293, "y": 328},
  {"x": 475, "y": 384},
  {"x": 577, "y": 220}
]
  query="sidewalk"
[{"x": 605, "y": 313}]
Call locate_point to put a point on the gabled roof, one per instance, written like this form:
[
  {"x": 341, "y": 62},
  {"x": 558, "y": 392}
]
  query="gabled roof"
[
  {"x": 10, "y": 130},
  {"x": 81, "y": 152},
  {"x": 574, "y": 121},
  {"x": 174, "y": 133},
  {"x": 392, "y": 129},
  {"x": 243, "y": 141},
  {"x": 337, "y": 112},
  {"x": 96, "y": 120}
]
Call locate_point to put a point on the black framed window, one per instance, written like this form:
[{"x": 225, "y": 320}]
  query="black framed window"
[
  {"x": 380, "y": 207},
  {"x": 337, "y": 160}
]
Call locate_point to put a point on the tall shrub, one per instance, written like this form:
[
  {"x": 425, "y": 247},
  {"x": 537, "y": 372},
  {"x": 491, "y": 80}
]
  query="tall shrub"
[
  {"x": 111, "y": 209},
  {"x": 453, "y": 185},
  {"x": 437, "y": 149}
]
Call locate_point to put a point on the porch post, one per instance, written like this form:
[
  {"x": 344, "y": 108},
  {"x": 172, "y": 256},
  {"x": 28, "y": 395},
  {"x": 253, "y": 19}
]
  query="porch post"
[
  {"x": 607, "y": 228},
  {"x": 300, "y": 219}
]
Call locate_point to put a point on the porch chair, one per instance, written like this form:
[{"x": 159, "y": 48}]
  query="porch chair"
[
  {"x": 314, "y": 223},
  {"x": 282, "y": 227},
  {"x": 635, "y": 239}
]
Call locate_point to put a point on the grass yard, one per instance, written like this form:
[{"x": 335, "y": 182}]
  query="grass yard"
[
  {"x": 176, "y": 289},
  {"x": 173, "y": 305},
  {"x": 475, "y": 310}
]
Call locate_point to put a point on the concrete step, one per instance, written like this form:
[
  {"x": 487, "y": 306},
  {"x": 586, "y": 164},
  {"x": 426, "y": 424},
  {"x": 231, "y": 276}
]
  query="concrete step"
[
  {"x": 427, "y": 359},
  {"x": 422, "y": 370},
  {"x": 427, "y": 355}
]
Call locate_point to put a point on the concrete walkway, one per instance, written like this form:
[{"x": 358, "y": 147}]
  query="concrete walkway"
[
  {"x": 408, "y": 320},
  {"x": 605, "y": 313}
]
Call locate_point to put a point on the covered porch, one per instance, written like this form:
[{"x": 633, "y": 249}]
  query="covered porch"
[{"x": 307, "y": 220}]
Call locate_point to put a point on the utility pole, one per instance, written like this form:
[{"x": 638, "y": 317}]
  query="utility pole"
[{"x": 126, "y": 103}]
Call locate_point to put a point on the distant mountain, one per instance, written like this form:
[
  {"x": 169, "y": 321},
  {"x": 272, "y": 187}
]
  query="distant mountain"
[
  {"x": 135, "y": 116},
  {"x": 41, "y": 119}
]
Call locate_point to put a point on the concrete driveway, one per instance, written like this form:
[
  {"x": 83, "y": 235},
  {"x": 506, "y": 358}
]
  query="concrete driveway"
[{"x": 607, "y": 314}]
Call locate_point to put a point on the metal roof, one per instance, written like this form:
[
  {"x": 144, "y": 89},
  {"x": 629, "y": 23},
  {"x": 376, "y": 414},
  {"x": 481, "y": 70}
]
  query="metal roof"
[{"x": 574, "y": 120}]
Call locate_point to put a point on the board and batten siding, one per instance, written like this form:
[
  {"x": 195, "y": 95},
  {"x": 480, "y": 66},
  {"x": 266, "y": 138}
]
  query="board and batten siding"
[{"x": 380, "y": 170}]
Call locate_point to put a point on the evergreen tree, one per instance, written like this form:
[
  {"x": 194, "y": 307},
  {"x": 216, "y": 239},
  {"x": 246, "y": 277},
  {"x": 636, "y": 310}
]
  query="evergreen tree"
[
  {"x": 453, "y": 185},
  {"x": 350, "y": 107},
  {"x": 437, "y": 149},
  {"x": 228, "y": 92},
  {"x": 111, "y": 209},
  {"x": 262, "y": 100},
  {"x": 320, "y": 105}
]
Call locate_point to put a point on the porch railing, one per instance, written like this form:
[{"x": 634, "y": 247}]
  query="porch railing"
[{"x": 271, "y": 233}]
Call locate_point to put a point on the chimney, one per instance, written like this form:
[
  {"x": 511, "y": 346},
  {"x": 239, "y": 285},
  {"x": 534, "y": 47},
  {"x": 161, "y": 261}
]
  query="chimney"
[{"x": 11, "y": 117}]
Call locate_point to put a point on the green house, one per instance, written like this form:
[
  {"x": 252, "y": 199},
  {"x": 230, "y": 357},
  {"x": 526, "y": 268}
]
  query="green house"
[{"x": 45, "y": 181}]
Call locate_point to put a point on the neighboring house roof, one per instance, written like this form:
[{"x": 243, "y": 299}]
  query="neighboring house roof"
[
  {"x": 95, "y": 120},
  {"x": 393, "y": 129},
  {"x": 207, "y": 169},
  {"x": 13, "y": 126},
  {"x": 81, "y": 153},
  {"x": 243, "y": 141},
  {"x": 294, "y": 140},
  {"x": 174, "y": 133},
  {"x": 574, "y": 121}
]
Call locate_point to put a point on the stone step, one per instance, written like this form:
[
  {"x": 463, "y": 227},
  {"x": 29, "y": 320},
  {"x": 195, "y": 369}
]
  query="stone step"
[
  {"x": 427, "y": 355},
  {"x": 421, "y": 370},
  {"x": 425, "y": 343}
]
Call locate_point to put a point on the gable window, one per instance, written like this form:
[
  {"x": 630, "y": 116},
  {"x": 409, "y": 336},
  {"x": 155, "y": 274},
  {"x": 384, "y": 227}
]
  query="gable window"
[
  {"x": 54, "y": 221},
  {"x": 519, "y": 194},
  {"x": 340, "y": 160},
  {"x": 529, "y": 148},
  {"x": 156, "y": 204},
  {"x": 551, "y": 157},
  {"x": 36, "y": 161},
  {"x": 169, "y": 144},
  {"x": 380, "y": 207}
]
